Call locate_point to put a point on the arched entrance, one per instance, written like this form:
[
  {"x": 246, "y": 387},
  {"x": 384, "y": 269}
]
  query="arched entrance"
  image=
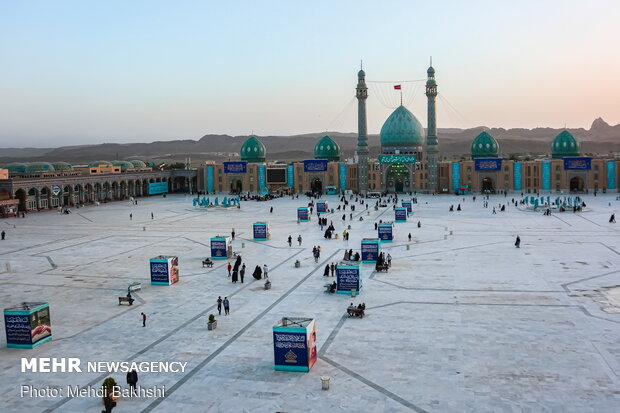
[
  {"x": 236, "y": 186},
  {"x": 487, "y": 185},
  {"x": 576, "y": 184},
  {"x": 21, "y": 195},
  {"x": 316, "y": 186},
  {"x": 397, "y": 176}
]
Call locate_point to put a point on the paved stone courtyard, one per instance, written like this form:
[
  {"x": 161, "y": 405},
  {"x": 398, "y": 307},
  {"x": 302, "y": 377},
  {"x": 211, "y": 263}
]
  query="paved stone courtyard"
[{"x": 463, "y": 321}]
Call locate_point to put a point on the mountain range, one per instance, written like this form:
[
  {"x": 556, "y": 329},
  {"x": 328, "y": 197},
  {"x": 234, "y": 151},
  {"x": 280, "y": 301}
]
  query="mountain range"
[{"x": 600, "y": 139}]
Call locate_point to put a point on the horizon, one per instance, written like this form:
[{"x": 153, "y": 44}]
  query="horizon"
[{"x": 82, "y": 74}]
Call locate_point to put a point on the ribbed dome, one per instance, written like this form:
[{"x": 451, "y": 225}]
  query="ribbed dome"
[
  {"x": 253, "y": 150},
  {"x": 484, "y": 146},
  {"x": 565, "y": 144},
  {"x": 16, "y": 167},
  {"x": 39, "y": 167},
  {"x": 327, "y": 148},
  {"x": 430, "y": 71},
  {"x": 62, "y": 166},
  {"x": 402, "y": 129},
  {"x": 137, "y": 163},
  {"x": 97, "y": 163},
  {"x": 123, "y": 164}
]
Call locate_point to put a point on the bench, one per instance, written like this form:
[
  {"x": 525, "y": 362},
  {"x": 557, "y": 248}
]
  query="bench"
[
  {"x": 207, "y": 262},
  {"x": 125, "y": 300},
  {"x": 355, "y": 312},
  {"x": 383, "y": 267}
]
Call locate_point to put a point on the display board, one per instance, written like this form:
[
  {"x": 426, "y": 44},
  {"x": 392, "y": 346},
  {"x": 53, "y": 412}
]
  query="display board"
[
  {"x": 577, "y": 164},
  {"x": 315, "y": 165},
  {"x": 385, "y": 232},
  {"x": 370, "y": 250},
  {"x": 488, "y": 164},
  {"x": 400, "y": 214},
  {"x": 408, "y": 205},
  {"x": 27, "y": 325},
  {"x": 158, "y": 188},
  {"x": 235, "y": 167},
  {"x": 321, "y": 206},
  {"x": 294, "y": 344},
  {"x": 164, "y": 270},
  {"x": 348, "y": 277},
  {"x": 260, "y": 231},
  {"x": 303, "y": 215},
  {"x": 219, "y": 247}
]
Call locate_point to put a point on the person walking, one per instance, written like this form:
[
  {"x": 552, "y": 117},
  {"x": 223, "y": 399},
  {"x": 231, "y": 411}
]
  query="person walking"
[
  {"x": 299, "y": 239},
  {"x": 152, "y": 216},
  {"x": 326, "y": 272},
  {"x": 271, "y": 210},
  {"x": 612, "y": 220},
  {"x": 242, "y": 273},
  {"x": 130, "y": 217},
  {"x": 229, "y": 268},
  {"x": 219, "y": 305},
  {"x": 494, "y": 211},
  {"x": 518, "y": 242},
  {"x": 235, "y": 276},
  {"x": 143, "y": 319},
  {"x": 108, "y": 403},
  {"x": 233, "y": 234},
  {"x": 3, "y": 235},
  {"x": 132, "y": 379},
  {"x": 290, "y": 241},
  {"x": 226, "y": 306},
  {"x": 409, "y": 237},
  {"x": 265, "y": 270},
  {"x": 389, "y": 260},
  {"x": 332, "y": 269}
]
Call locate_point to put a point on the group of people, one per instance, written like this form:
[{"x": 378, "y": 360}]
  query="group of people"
[
  {"x": 329, "y": 268},
  {"x": 226, "y": 304}
]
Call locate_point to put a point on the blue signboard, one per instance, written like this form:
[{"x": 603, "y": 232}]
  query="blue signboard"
[
  {"x": 370, "y": 250},
  {"x": 342, "y": 176},
  {"x": 577, "y": 164},
  {"x": 408, "y": 205},
  {"x": 488, "y": 164},
  {"x": 397, "y": 158},
  {"x": 400, "y": 214},
  {"x": 260, "y": 231},
  {"x": 456, "y": 176},
  {"x": 348, "y": 278},
  {"x": 546, "y": 175},
  {"x": 158, "y": 188},
  {"x": 27, "y": 325},
  {"x": 321, "y": 206},
  {"x": 237, "y": 167},
  {"x": 302, "y": 214},
  {"x": 159, "y": 271},
  {"x": 210, "y": 178},
  {"x": 218, "y": 249},
  {"x": 262, "y": 179},
  {"x": 611, "y": 174},
  {"x": 17, "y": 328},
  {"x": 290, "y": 176},
  {"x": 385, "y": 232},
  {"x": 315, "y": 165},
  {"x": 518, "y": 170},
  {"x": 290, "y": 350}
]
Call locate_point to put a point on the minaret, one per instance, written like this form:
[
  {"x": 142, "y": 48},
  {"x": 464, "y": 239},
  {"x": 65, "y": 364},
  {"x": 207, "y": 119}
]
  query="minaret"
[
  {"x": 432, "y": 146},
  {"x": 361, "y": 93}
]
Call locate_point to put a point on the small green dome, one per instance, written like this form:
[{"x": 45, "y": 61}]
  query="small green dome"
[
  {"x": 97, "y": 163},
  {"x": 62, "y": 166},
  {"x": 39, "y": 167},
  {"x": 564, "y": 145},
  {"x": 137, "y": 163},
  {"x": 123, "y": 164},
  {"x": 327, "y": 148},
  {"x": 484, "y": 146},
  {"x": 253, "y": 150},
  {"x": 16, "y": 167},
  {"x": 402, "y": 130}
]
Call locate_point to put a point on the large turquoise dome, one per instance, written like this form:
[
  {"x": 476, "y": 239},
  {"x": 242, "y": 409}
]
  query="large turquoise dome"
[
  {"x": 402, "y": 131},
  {"x": 123, "y": 164},
  {"x": 39, "y": 167},
  {"x": 484, "y": 146},
  {"x": 253, "y": 150},
  {"x": 564, "y": 145},
  {"x": 16, "y": 167},
  {"x": 327, "y": 148},
  {"x": 62, "y": 166},
  {"x": 137, "y": 163}
]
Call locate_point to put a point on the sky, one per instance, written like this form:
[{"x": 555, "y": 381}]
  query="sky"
[{"x": 81, "y": 72}]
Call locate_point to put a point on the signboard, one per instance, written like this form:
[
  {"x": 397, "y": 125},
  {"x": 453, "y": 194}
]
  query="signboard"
[
  {"x": 55, "y": 190},
  {"x": 262, "y": 179},
  {"x": 28, "y": 325},
  {"x": 164, "y": 270},
  {"x": 302, "y": 214},
  {"x": 400, "y": 214},
  {"x": 546, "y": 175},
  {"x": 517, "y": 175},
  {"x": 348, "y": 278},
  {"x": 408, "y": 205},
  {"x": 219, "y": 248},
  {"x": 210, "y": 174},
  {"x": 260, "y": 231},
  {"x": 456, "y": 176},
  {"x": 236, "y": 167},
  {"x": 370, "y": 250},
  {"x": 342, "y": 176},
  {"x": 290, "y": 176},
  {"x": 488, "y": 164},
  {"x": 397, "y": 159},
  {"x": 321, "y": 206},
  {"x": 315, "y": 165},
  {"x": 385, "y": 232},
  {"x": 577, "y": 164},
  {"x": 611, "y": 174},
  {"x": 158, "y": 188},
  {"x": 294, "y": 344}
]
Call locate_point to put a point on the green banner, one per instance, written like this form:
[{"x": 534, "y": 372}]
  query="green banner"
[{"x": 397, "y": 158}]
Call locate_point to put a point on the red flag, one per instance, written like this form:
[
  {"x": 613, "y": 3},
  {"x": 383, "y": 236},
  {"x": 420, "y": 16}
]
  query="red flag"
[{"x": 396, "y": 87}]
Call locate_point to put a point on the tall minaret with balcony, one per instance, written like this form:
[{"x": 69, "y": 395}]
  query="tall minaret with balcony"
[
  {"x": 361, "y": 93},
  {"x": 432, "y": 146}
]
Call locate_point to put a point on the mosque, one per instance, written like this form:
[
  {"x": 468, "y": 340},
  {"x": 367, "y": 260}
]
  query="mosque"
[{"x": 408, "y": 163}]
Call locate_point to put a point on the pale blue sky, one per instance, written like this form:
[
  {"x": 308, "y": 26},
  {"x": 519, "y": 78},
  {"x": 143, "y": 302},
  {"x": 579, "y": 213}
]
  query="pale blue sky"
[{"x": 119, "y": 71}]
